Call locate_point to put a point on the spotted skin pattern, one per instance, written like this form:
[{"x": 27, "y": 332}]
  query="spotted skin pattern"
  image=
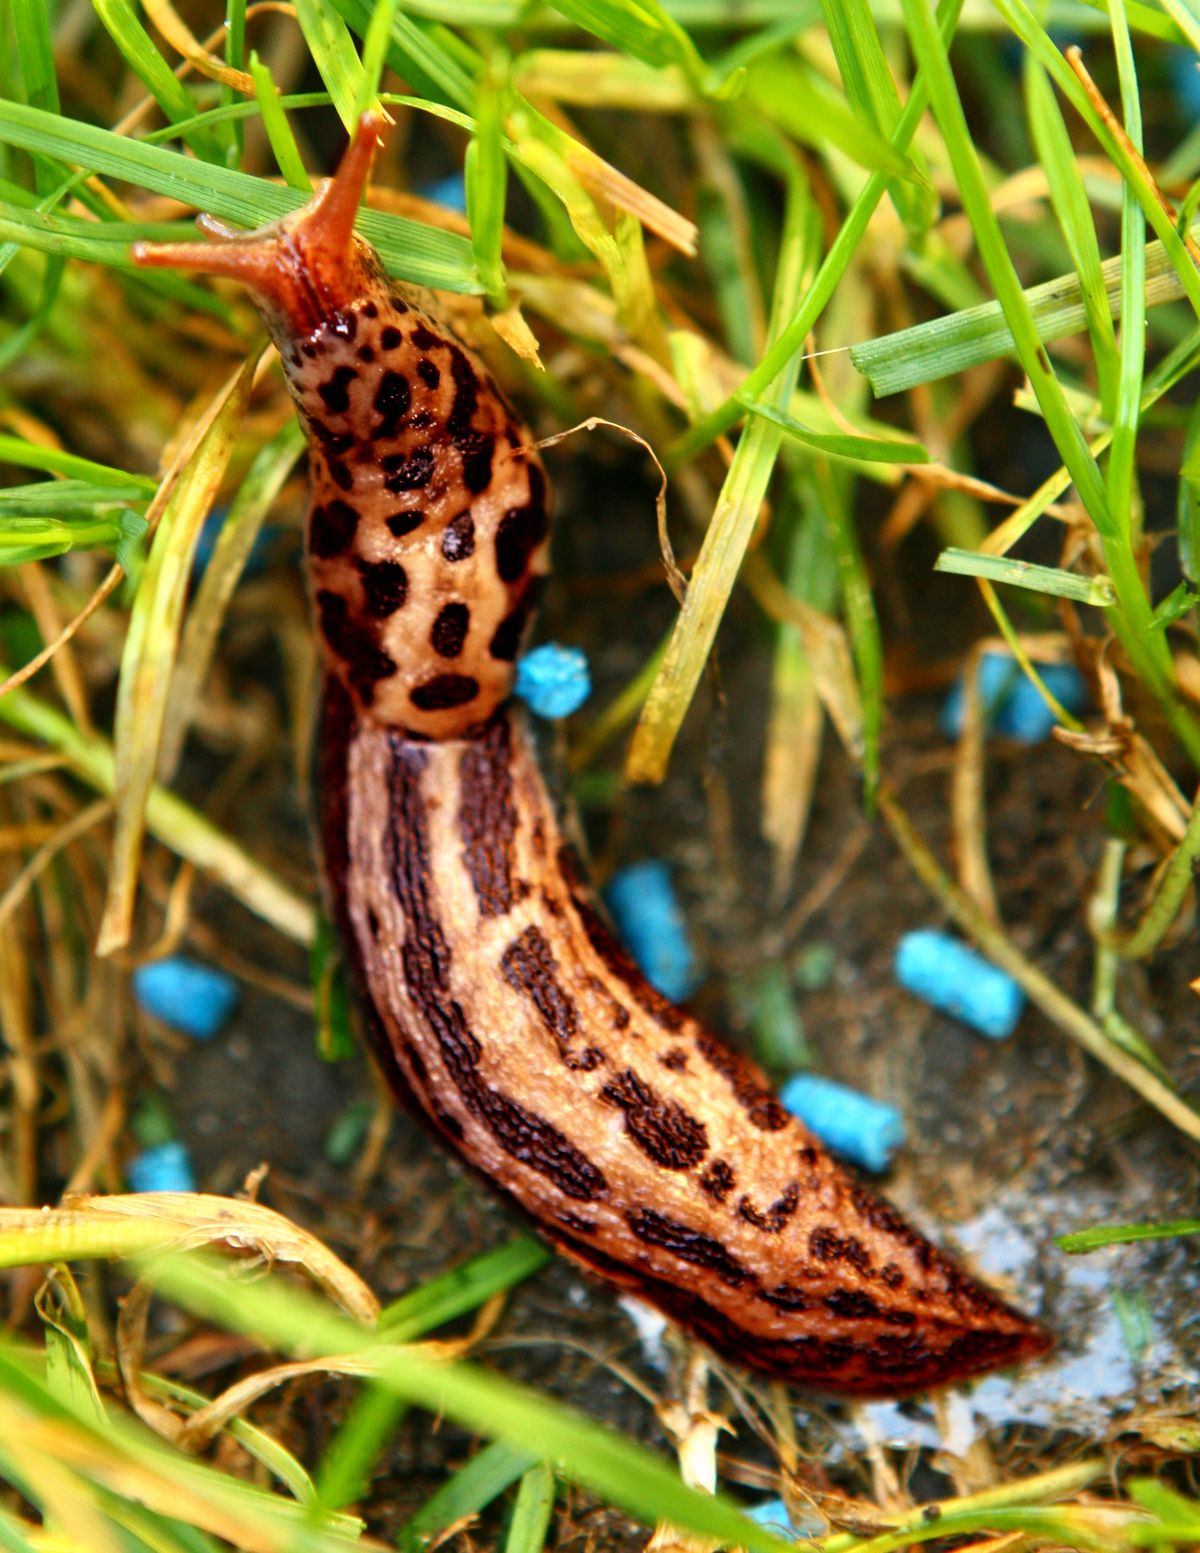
[{"x": 498, "y": 1002}]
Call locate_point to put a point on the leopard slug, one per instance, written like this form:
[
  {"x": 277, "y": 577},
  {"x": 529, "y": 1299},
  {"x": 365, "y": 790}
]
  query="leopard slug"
[{"x": 496, "y": 997}]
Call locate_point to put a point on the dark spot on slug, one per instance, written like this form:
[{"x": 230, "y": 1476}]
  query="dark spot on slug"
[
  {"x": 397, "y": 304},
  {"x": 506, "y": 639},
  {"x": 662, "y": 1129},
  {"x": 401, "y": 523},
  {"x": 331, "y": 441},
  {"x": 458, "y": 537},
  {"x": 851, "y": 1304},
  {"x": 577, "y": 1223},
  {"x": 675, "y": 1059},
  {"x": 477, "y": 449},
  {"x": 424, "y": 339},
  {"x": 366, "y": 354},
  {"x": 690, "y": 1245},
  {"x": 428, "y": 372},
  {"x": 466, "y": 394},
  {"x": 408, "y": 471},
  {"x": 344, "y": 325},
  {"x": 718, "y": 1180},
  {"x": 389, "y": 338},
  {"x": 518, "y": 532},
  {"x": 331, "y": 528},
  {"x": 772, "y": 1219},
  {"x": 336, "y": 392},
  {"x": 340, "y": 475},
  {"x": 450, "y": 630},
  {"x": 385, "y": 586},
  {"x": 370, "y": 310},
  {"x": 444, "y": 691},
  {"x": 487, "y": 817},
  {"x": 786, "y": 1296},
  {"x": 391, "y": 402}
]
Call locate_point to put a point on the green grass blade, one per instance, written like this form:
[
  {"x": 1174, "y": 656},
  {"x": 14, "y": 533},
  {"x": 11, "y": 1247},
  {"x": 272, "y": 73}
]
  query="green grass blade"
[
  {"x": 487, "y": 179},
  {"x": 138, "y": 50},
  {"x": 1124, "y": 1234},
  {"x": 624, "y": 1473},
  {"x": 728, "y": 532},
  {"x": 417, "y": 53},
  {"x": 1123, "y": 451},
  {"x": 374, "y": 55},
  {"x": 334, "y": 55},
  {"x": 531, "y": 1512},
  {"x": 471, "y": 1489},
  {"x": 462, "y": 1289},
  {"x": 1024, "y": 574},
  {"x": 279, "y": 134},
  {"x": 35, "y": 455},
  {"x": 1070, "y": 201},
  {"x": 871, "y": 450},
  {"x": 845, "y": 245},
  {"x": 949, "y": 345}
]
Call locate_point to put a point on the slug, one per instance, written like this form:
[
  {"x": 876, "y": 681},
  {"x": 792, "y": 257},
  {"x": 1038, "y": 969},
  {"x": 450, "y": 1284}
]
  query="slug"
[{"x": 497, "y": 999}]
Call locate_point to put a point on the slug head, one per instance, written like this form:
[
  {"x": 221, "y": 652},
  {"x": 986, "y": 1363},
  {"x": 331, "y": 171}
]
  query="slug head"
[{"x": 302, "y": 269}]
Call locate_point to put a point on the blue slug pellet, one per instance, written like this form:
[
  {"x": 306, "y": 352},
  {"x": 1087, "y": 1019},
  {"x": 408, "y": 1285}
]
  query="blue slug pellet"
[
  {"x": 553, "y": 681},
  {"x": 1013, "y": 706},
  {"x": 953, "y": 978},
  {"x": 642, "y": 900},
  {"x": 167, "y": 1167},
  {"x": 191, "y": 997},
  {"x": 867, "y": 1132}
]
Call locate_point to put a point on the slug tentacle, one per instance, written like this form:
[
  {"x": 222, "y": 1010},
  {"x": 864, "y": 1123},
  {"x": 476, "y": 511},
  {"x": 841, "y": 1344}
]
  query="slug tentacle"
[{"x": 496, "y": 998}]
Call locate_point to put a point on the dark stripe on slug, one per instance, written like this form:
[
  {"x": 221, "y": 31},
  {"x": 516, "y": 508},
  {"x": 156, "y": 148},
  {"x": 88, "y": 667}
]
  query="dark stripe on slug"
[
  {"x": 747, "y": 1083},
  {"x": 662, "y": 1129},
  {"x": 690, "y": 1245},
  {"x": 529, "y": 967},
  {"x": 487, "y": 817},
  {"x": 426, "y": 959},
  {"x": 366, "y": 662},
  {"x": 444, "y": 691}
]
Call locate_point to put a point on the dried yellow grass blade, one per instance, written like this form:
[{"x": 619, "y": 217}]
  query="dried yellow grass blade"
[
  {"x": 86, "y": 1228},
  {"x": 148, "y": 660}
]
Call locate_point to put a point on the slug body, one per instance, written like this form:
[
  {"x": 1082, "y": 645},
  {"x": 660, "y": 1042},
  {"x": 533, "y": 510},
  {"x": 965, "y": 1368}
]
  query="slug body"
[{"x": 495, "y": 996}]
